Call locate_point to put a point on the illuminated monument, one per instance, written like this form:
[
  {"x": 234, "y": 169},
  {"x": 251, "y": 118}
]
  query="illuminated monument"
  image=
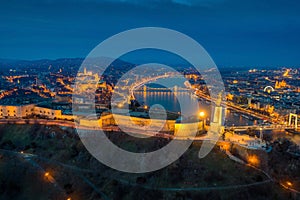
[{"x": 216, "y": 126}]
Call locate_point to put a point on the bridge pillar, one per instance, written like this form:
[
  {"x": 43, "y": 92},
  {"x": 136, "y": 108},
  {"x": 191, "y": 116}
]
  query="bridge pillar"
[
  {"x": 296, "y": 119},
  {"x": 249, "y": 101},
  {"x": 261, "y": 136},
  {"x": 175, "y": 88},
  {"x": 145, "y": 88}
]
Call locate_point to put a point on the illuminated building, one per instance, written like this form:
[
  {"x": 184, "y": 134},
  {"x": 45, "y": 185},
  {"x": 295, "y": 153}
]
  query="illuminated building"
[
  {"x": 25, "y": 111},
  {"x": 281, "y": 84}
]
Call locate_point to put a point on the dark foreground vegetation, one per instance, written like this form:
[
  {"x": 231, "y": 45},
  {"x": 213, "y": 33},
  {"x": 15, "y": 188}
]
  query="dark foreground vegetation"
[{"x": 74, "y": 173}]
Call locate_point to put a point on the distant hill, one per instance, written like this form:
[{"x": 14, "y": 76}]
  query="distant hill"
[
  {"x": 43, "y": 65},
  {"x": 73, "y": 64}
]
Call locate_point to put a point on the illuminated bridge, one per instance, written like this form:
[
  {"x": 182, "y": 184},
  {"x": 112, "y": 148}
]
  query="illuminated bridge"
[
  {"x": 136, "y": 86},
  {"x": 257, "y": 127}
]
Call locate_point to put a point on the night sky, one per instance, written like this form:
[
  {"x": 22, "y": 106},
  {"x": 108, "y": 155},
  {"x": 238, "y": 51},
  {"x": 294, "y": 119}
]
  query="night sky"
[{"x": 234, "y": 32}]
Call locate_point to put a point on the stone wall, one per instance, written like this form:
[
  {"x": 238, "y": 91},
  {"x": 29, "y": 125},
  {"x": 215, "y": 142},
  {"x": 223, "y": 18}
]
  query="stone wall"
[
  {"x": 129, "y": 122},
  {"x": 188, "y": 129},
  {"x": 256, "y": 157}
]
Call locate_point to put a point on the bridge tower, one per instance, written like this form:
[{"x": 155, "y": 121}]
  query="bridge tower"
[
  {"x": 145, "y": 88},
  {"x": 295, "y": 116},
  {"x": 175, "y": 88},
  {"x": 261, "y": 136},
  {"x": 249, "y": 101}
]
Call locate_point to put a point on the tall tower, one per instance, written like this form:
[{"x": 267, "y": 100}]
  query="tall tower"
[{"x": 216, "y": 126}]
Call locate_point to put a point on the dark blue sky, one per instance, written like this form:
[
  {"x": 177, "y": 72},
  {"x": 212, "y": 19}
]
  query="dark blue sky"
[{"x": 234, "y": 32}]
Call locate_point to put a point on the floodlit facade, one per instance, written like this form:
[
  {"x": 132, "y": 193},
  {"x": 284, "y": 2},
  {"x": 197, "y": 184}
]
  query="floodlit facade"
[{"x": 24, "y": 111}]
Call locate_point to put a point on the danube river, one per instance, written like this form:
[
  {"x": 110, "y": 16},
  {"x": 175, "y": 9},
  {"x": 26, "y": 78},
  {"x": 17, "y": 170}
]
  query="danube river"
[{"x": 170, "y": 102}]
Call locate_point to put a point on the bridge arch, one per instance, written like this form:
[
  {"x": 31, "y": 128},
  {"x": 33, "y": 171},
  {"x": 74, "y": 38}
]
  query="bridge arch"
[
  {"x": 268, "y": 88},
  {"x": 295, "y": 116}
]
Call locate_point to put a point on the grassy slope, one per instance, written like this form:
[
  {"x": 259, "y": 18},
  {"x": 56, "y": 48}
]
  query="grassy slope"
[{"x": 188, "y": 172}]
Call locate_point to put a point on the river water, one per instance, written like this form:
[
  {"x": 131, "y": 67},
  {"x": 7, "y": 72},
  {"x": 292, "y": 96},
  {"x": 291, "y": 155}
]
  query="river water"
[{"x": 170, "y": 102}]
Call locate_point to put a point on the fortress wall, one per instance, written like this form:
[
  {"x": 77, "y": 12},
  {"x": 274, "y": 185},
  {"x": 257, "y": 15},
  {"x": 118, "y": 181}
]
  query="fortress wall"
[
  {"x": 128, "y": 121},
  {"x": 90, "y": 123},
  {"x": 187, "y": 129},
  {"x": 27, "y": 110},
  {"x": 167, "y": 125},
  {"x": 68, "y": 117},
  {"x": 48, "y": 112}
]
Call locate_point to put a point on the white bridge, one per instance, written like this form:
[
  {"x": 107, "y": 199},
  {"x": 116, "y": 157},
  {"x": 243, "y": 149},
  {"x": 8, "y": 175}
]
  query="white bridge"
[
  {"x": 257, "y": 127},
  {"x": 135, "y": 86}
]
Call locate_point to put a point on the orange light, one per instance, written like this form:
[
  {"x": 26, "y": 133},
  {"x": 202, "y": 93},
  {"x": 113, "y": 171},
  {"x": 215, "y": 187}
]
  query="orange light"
[
  {"x": 226, "y": 147},
  {"x": 145, "y": 107},
  {"x": 69, "y": 198},
  {"x": 253, "y": 160},
  {"x": 47, "y": 174},
  {"x": 289, "y": 183},
  {"x": 201, "y": 114}
]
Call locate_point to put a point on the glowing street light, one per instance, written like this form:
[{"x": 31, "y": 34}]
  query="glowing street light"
[
  {"x": 226, "y": 147},
  {"x": 120, "y": 105},
  {"x": 47, "y": 174},
  {"x": 201, "y": 114},
  {"x": 289, "y": 183},
  {"x": 253, "y": 160}
]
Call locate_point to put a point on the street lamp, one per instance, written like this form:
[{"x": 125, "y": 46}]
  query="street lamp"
[
  {"x": 202, "y": 115},
  {"x": 226, "y": 147},
  {"x": 47, "y": 174},
  {"x": 253, "y": 160},
  {"x": 289, "y": 183}
]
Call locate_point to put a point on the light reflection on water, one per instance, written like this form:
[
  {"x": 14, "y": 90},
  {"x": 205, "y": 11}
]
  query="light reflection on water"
[{"x": 169, "y": 101}]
